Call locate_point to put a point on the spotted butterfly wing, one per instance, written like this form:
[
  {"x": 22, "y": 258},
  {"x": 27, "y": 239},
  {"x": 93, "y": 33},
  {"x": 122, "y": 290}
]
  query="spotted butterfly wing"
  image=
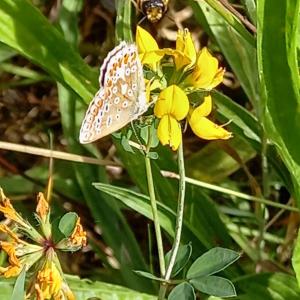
[{"x": 121, "y": 98}]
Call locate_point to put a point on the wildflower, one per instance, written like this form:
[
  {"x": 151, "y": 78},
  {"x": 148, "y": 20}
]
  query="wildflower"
[
  {"x": 172, "y": 106},
  {"x": 193, "y": 72},
  {"x": 48, "y": 281},
  {"x": 148, "y": 48},
  {"x": 39, "y": 256},
  {"x": 185, "y": 45},
  {"x": 202, "y": 126},
  {"x": 206, "y": 73}
]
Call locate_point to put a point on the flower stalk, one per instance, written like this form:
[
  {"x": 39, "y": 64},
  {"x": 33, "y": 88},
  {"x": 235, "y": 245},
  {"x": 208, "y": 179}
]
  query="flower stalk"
[{"x": 179, "y": 220}]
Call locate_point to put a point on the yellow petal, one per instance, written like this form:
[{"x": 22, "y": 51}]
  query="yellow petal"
[
  {"x": 6, "y": 229},
  {"x": 49, "y": 281},
  {"x": 205, "y": 108},
  {"x": 8, "y": 210},
  {"x": 10, "y": 271},
  {"x": 14, "y": 267},
  {"x": 78, "y": 237},
  {"x": 206, "y": 74},
  {"x": 206, "y": 129},
  {"x": 147, "y": 47},
  {"x": 42, "y": 207},
  {"x": 185, "y": 45},
  {"x": 172, "y": 101},
  {"x": 169, "y": 132}
]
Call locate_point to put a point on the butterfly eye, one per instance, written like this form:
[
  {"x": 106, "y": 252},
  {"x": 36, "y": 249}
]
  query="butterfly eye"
[
  {"x": 130, "y": 94},
  {"x": 117, "y": 116},
  {"x": 134, "y": 86},
  {"x": 133, "y": 69},
  {"x": 117, "y": 100},
  {"x": 125, "y": 104},
  {"x": 115, "y": 90},
  {"x": 106, "y": 108}
]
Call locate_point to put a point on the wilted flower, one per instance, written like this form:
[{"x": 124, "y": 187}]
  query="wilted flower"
[{"x": 47, "y": 279}]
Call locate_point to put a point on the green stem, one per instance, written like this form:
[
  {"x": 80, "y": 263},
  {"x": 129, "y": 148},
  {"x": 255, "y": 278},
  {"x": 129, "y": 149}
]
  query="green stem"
[
  {"x": 179, "y": 220},
  {"x": 154, "y": 210}
]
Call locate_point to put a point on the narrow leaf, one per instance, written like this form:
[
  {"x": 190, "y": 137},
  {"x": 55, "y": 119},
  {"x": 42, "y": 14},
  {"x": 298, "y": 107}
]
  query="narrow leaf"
[
  {"x": 148, "y": 275},
  {"x": 19, "y": 288}
]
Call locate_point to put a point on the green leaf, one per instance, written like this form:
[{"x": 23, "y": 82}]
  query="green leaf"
[
  {"x": 240, "y": 54},
  {"x": 26, "y": 30},
  {"x": 251, "y": 9},
  {"x": 19, "y": 288},
  {"x": 279, "y": 79},
  {"x": 183, "y": 291},
  {"x": 211, "y": 262},
  {"x": 215, "y": 286},
  {"x": 182, "y": 258},
  {"x": 123, "y": 21},
  {"x": 148, "y": 275},
  {"x": 125, "y": 144},
  {"x": 6, "y": 52},
  {"x": 267, "y": 286},
  {"x": 296, "y": 258},
  {"x": 139, "y": 203},
  {"x": 229, "y": 19},
  {"x": 67, "y": 223},
  {"x": 85, "y": 289}
]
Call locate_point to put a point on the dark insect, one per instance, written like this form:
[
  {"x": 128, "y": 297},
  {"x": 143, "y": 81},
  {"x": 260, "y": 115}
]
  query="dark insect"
[{"x": 153, "y": 9}]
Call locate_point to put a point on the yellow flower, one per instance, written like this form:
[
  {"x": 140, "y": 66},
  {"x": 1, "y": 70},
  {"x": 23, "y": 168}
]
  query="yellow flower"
[
  {"x": 49, "y": 282},
  {"x": 147, "y": 47},
  {"x": 185, "y": 45},
  {"x": 206, "y": 74},
  {"x": 203, "y": 127},
  {"x": 172, "y": 101},
  {"x": 169, "y": 132},
  {"x": 78, "y": 237},
  {"x": 172, "y": 106}
]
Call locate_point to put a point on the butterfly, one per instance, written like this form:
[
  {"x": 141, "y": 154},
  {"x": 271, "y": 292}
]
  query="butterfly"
[{"x": 121, "y": 97}]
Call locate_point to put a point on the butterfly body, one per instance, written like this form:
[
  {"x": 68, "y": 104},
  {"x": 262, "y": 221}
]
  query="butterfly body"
[{"x": 121, "y": 97}]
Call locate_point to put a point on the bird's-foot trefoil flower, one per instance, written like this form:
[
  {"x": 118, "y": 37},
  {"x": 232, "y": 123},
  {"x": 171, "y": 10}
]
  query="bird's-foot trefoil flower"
[
  {"x": 193, "y": 72},
  {"x": 37, "y": 253}
]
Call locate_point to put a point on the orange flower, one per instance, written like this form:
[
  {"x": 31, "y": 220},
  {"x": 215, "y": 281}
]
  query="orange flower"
[
  {"x": 9, "y": 212},
  {"x": 78, "y": 237},
  {"x": 42, "y": 207},
  {"x": 15, "y": 266}
]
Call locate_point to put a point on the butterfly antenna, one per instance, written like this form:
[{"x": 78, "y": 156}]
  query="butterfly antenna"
[{"x": 142, "y": 147}]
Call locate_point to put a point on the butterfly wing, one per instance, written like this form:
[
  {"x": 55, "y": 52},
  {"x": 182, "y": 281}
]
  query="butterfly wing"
[{"x": 121, "y": 98}]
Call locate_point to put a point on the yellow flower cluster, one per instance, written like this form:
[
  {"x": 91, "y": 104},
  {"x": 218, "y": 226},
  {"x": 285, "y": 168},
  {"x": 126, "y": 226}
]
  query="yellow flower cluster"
[
  {"x": 47, "y": 281},
  {"x": 193, "y": 71}
]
